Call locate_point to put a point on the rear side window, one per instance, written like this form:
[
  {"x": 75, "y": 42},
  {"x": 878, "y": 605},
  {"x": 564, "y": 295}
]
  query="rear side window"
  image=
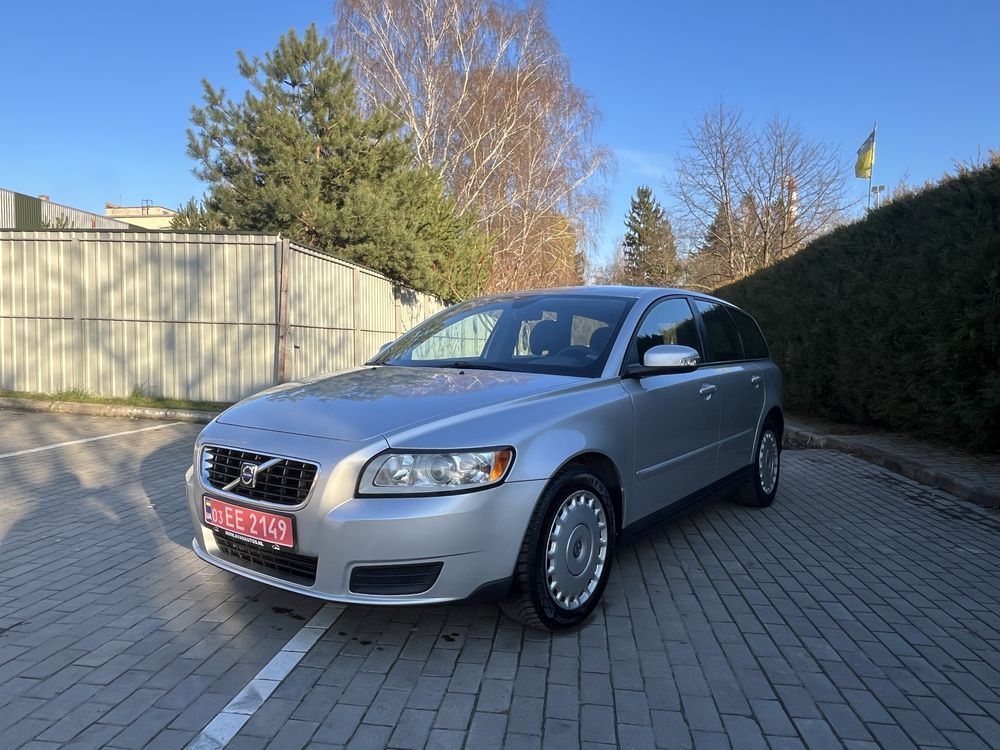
[
  {"x": 723, "y": 337},
  {"x": 754, "y": 345},
  {"x": 668, "y": 322}
]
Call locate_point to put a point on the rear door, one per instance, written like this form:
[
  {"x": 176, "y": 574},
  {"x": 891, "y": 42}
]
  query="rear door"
[
  {"x": 676, "y": 415},
  {"x": 740, "y": 383}
]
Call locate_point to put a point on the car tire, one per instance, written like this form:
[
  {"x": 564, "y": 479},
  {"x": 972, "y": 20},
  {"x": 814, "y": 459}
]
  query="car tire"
[
  {"x": 565, "y": 558},
  {"x": 761, "y": 486}
]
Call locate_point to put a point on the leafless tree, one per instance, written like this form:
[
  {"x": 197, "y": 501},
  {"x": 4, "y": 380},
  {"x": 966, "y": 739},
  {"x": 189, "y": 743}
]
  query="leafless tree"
[
  {"x": 748, "y": 197},
  {"x": 614, "y": 271},
  {"x": 487, "y": 94}
]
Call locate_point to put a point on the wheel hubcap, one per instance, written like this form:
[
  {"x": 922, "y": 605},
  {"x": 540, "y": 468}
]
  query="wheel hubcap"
[
  {"x": 767, "y": 462},
  {"x": 577, "y": 549}
]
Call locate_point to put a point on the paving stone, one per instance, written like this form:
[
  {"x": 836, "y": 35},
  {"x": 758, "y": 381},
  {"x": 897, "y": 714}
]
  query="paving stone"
[
  {"x": 701, "y": 713},
  {"x": 670, "y": 730},
  {"x": 527, "y": 715},
  {"x": 744, "y": 731},
  {"x": 445, "y": 739},
  {"x": 139, "y": 734},
  {"x": 558, "y": 733},
  {"x": 487, "y": 730},
  {"x": 562, "y": 702},
  {"x": 597, "y": 724},
  {"x": 412, "y": 729},
  {"x": 455, "y": 711},
  {"x": 370, "y": 737},
  {"x": 772, "y": 718},
  {"x": 817, "y": 733}
]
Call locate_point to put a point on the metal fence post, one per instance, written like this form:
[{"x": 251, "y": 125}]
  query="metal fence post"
[
  {"x": 359, "y": 338},
  {"x": 283, "y": 252},
  {"x": 397, "y": 305},
  {"x": 80, "y": 346}
]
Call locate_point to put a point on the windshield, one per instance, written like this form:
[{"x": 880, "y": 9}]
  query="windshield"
[{"x": 560, "y": 334}]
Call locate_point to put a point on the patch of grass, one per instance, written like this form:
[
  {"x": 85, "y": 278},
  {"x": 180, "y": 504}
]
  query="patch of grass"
[
  {"x": 72, "y": 394},
  {"x": 138, "y": 397}
]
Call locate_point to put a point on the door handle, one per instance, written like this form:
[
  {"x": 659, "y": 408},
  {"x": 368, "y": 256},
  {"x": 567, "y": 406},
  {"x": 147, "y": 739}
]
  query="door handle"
[
  {"x": 756, "y": 380},
  {"x": 706, "y": 390}
]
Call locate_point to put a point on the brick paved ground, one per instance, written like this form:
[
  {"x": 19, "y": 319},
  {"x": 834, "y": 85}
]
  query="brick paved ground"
[
  {"x": 861, "y": 610},
  {"x": 973, "y": 476}
]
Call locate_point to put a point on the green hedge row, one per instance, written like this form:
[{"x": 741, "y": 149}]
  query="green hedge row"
[{"x": 894, "y": 321}]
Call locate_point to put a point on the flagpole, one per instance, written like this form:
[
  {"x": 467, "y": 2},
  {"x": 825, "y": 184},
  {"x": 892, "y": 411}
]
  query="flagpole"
[{"x": 871, "y": 169}]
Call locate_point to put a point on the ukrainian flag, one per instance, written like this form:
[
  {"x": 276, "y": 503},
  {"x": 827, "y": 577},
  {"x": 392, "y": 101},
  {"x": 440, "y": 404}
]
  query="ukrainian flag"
[{"x": 866, "y": 158}]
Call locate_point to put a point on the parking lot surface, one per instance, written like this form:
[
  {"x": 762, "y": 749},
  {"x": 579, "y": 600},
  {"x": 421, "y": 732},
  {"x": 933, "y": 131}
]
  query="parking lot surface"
[{"x": 861, "y": 610}]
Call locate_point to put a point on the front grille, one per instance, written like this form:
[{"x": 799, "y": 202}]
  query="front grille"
[
  {"x": 395, "y": 579},
  {"x": 287, "y": 482},
  {"x": 282, "y": 564}
]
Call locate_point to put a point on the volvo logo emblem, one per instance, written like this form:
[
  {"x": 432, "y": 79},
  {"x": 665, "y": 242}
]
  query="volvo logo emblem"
[{"x": 248, "y": 474}]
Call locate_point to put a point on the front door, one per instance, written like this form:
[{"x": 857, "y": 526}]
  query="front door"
[{"x": 676, "y": 416}]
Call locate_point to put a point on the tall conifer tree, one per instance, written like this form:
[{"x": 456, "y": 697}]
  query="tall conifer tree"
[
  {"x": 298, "y": 156},
  {"x": 650, "y": 251}
]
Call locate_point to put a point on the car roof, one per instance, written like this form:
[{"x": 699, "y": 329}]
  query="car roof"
[{"x": 606, "y": 290}]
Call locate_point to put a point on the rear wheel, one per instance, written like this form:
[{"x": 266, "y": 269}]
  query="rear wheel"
[
  {"x": 761, "y": 486},
  {"x": 565, "y": 558}
]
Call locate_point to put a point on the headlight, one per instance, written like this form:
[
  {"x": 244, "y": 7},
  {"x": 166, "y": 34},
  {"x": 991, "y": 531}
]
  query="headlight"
[{"x": 428, "y": 473}]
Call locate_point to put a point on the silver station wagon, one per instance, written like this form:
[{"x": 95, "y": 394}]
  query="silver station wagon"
[{"x": 498, "y": 451}]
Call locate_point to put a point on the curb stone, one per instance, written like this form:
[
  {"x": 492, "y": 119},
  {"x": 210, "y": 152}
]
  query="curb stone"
[
  {"x": 798, "y": 436},
  {"x": 108, "y": 410}
]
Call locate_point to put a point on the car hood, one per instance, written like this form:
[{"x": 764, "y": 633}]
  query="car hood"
[{"x": 363, "y": 404}]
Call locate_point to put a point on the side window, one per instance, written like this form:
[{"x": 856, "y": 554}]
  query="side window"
[
  {"x": 668, "y": 322},
  {"x": 723, "y": 337},
  {"x": 754, "y": 345}
]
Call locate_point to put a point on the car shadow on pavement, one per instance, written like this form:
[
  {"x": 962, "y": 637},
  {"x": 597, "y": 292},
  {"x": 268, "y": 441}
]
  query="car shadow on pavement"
[{"x": 162, "y": 479}]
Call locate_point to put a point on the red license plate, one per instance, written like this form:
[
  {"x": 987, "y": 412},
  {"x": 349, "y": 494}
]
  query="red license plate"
[{"x": 254, "y": 526}]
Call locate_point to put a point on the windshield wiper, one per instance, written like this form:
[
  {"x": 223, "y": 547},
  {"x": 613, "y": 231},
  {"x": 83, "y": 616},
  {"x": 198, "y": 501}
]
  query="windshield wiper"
[{"x": 464, "y": 365}]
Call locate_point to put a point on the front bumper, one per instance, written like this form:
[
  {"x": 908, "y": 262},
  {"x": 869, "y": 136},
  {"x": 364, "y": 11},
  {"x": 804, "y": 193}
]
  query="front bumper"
[{"x": 475, "y": 536}]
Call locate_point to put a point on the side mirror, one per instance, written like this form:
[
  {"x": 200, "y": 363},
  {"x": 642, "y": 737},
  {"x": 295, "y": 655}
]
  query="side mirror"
[
  {"x": 666, "y": 358},
  {"x": 671, "y": 357}
]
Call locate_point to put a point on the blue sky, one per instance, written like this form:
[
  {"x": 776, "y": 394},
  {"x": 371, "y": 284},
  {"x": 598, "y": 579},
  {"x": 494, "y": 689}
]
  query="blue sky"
[{"x": 96, "y": 96}]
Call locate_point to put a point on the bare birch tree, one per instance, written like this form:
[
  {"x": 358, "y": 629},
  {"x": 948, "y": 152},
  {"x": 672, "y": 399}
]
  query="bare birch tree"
[
  {"x": 487, "y": 94},
  {"x": 749, "y": 197}
]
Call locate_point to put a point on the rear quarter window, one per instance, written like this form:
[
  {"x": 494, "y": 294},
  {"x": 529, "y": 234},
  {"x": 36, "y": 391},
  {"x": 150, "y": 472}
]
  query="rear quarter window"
[
  {"x": 723, "y": 336},
  {"x": 754, "y": 344}
]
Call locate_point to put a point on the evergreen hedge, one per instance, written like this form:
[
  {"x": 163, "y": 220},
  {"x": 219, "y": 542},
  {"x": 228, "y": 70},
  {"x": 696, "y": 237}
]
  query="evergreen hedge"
[{"x": 894, "y": 321}]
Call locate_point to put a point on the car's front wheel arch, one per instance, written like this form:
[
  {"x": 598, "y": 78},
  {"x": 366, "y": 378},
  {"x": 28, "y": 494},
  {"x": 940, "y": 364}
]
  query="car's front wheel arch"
[{"x": 601, "y": 465}]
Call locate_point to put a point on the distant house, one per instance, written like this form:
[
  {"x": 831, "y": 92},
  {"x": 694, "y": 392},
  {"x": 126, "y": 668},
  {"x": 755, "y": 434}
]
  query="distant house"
[
  {"x": 146, "y": 216},
  {"x": 19, "y": 211}
]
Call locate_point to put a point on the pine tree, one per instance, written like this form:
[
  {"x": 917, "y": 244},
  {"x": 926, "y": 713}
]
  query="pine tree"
[
  {"x": 194, "y": 215},
  {"x": 298, "y": 156},
  {"x": 650, "y": 251}
]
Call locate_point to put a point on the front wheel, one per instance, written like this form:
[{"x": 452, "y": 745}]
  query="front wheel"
[
  {"x": 761, "y": 486},
  {"x": 565, "y": 558}
]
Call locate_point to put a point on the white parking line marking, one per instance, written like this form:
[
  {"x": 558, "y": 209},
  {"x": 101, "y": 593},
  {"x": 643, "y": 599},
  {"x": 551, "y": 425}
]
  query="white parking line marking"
[
  {"x": 228, "y": 722},
  {"x": 87, "y": 440}
]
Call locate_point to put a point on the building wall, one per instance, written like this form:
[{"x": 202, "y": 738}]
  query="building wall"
[
  {"x": 145, "y": 217},
  {"x": 182, "y": 315},
  {"x": 148, "y": 222}
]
